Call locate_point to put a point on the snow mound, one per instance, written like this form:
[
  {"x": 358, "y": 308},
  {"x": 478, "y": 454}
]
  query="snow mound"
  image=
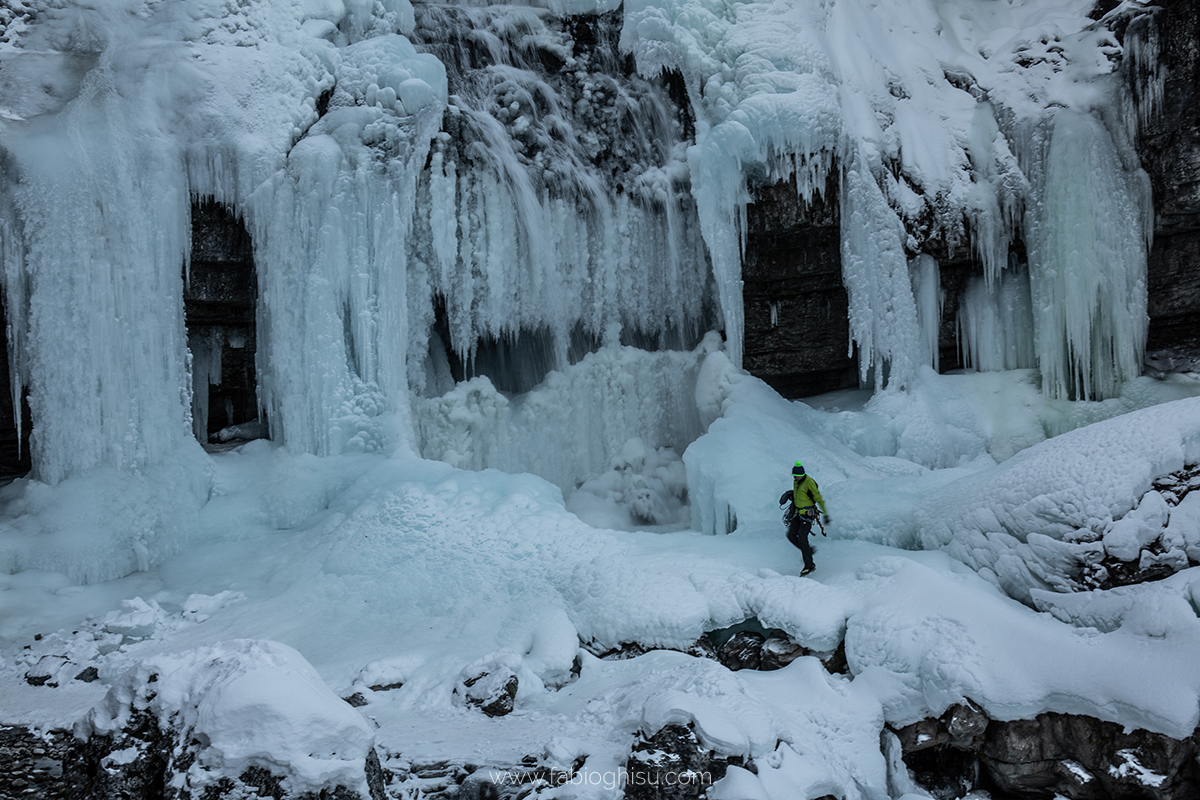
[
  {"x": 644, "y": 486},
  {"x": 248, "y": 704}
]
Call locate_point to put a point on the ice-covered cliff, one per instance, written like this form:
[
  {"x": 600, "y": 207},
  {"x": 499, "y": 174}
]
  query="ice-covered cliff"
[{"x": 434, "y": 190}]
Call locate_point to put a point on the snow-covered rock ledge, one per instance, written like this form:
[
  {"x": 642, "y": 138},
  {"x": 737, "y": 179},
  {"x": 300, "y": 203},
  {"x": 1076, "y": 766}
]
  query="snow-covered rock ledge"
[
  {"x": 240, "y": 718},
  {"x": 1025, "y": 522}
]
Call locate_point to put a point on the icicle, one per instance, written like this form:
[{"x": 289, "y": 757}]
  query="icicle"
[
  {"x": 927, "y": 291},
  {"x": 1087, "y": 263},
  {"x": 996, "y": 323},
  {"x": 883, "y": 313}
]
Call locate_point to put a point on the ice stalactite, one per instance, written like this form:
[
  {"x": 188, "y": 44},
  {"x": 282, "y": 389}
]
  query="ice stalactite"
[
  {"x": 503, "y": 176},
  {"x": 883, "y": 313},
  {"x": 554, "y": 219},
  {"x": 556, "y": 197},
  {"x": 330, "y": 238},
  {"x": 95, "y": 294},
  {"x": 1087, "y": 245},
  {"x": 927, "y": 292},
  {"x": 995, "y": 322}
]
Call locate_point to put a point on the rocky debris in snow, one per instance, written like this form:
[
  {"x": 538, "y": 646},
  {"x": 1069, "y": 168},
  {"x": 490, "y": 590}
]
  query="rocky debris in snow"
[
  {"x": 778, "y": 652},
  {"x": 1177, "y": 485},
  {"x": 1063, "y": 755},
  {"x": 672, "y": 764},
  {"x": 32, "y": 764},
  {"x": 356, "y": 700},
  {"x": 493, "y": 690},
  {"x": 743, "y": 650},
  {"x": 243, "y": 718},
  {"x": 701, "y": 648},
  {"x": 429, "y": 781},
  {"x": 44, "y": 672},
  {"x": 447, "y": 780},
  {"x": 519, "y": 781},
  {"x": 88, "y": 675},
  {"x": 15, "y": 16}
]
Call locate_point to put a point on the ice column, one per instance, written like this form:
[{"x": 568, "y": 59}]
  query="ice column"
[
  {"x": 883, "y": 312},
  {"x": 1087, "y": 263},
  {"x": 98, "y": 288}
]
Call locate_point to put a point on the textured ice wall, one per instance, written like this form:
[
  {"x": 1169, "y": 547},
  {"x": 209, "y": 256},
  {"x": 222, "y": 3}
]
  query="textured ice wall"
[
  {"x": 556, "y": 199},
  {"x": 569, "y": 428}
]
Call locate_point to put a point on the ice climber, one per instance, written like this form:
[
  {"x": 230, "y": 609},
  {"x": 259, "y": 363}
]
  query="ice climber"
[{"x": 802, "y": 502}]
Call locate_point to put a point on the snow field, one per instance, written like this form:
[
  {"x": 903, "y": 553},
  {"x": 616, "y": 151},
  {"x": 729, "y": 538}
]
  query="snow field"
[{"x": 384, "y": 571}]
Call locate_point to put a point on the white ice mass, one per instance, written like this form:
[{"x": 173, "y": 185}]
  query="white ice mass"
[{"x": 421, "y": 189}]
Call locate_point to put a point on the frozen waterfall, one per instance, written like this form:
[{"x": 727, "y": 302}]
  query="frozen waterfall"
[{"x": 436, "y": 192}]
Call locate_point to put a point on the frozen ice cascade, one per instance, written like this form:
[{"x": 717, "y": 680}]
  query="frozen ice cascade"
[{"x": 432, "y": 188}]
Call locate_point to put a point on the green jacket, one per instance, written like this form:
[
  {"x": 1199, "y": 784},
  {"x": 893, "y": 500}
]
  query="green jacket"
[{"x": 806, "y": 495}]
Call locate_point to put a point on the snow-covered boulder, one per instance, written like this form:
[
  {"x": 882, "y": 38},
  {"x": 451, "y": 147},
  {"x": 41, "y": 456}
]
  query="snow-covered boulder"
[
  {"x": 490, "y": 687},
  {"x": 1062, "y": 506},
  {"x": 239, "y": 718}
]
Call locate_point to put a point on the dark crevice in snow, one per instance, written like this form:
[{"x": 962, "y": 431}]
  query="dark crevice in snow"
[
  {"x": 15, "y": 460},
  {"x": 751, "y": 645}
]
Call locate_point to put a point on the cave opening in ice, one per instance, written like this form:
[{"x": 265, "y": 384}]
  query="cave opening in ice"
[{"x": 220, "y": 297}]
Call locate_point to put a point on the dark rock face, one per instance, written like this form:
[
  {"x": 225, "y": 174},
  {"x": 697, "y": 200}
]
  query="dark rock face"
[
  {"x": 1085, "y": 759},
  {"x": 941, "y": 754},
  {"x": 1053, "y": 755},
  {"x": 1170, "y": 149},
  {"x": 797, "y": 335},
  {"x": 673, "y": 765}
]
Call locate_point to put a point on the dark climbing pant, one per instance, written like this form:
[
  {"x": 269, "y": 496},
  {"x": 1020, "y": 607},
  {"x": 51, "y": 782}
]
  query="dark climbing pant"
[{"x": 797, "y": 534}]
